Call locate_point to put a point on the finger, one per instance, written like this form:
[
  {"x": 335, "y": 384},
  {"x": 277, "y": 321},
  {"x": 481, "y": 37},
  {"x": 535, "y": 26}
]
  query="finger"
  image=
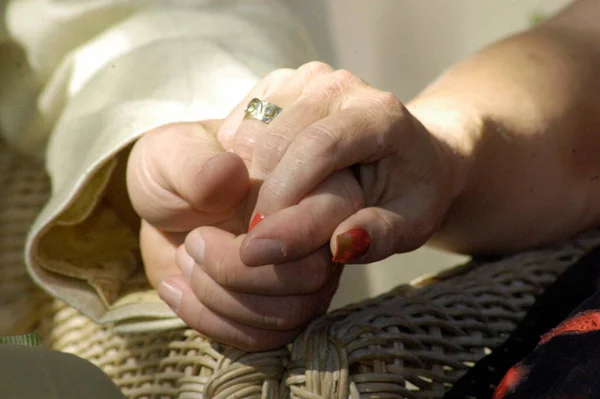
[
  {"x": 373, "y": 126},
  {"x": 375, "y": 233},
  {"x": 158, "y": 250},
  {"x": 299, "y": 111},
  {"x": 298, "y": 230},
  {"x": 284, "y": 313},
  {"x": 180, "y": 297},
  {"x": 282, "y": 88},
  {"x": 227, "y": 132},
  {"x": 179, "y": 177},
  {"x": 209, "y": 250},
  {"x": 324, "y": 91}
]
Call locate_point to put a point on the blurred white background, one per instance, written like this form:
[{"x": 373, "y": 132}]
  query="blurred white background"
[{"x": 400, "y": 46}]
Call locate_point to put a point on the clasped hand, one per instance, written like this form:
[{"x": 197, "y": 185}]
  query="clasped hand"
[{"x": 198, "y": 186}]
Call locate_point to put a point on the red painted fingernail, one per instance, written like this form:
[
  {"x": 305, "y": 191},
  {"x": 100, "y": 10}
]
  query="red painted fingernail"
[
  {"x": 351, "y": 245},
  {"x": 255, "y": 220}
]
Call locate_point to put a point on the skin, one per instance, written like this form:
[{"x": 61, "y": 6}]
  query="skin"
[
  {"x": 497, "y": 155},
  {"x": 174, "y": 187}
]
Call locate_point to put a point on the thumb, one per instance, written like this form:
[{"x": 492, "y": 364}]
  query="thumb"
[
  {"x": 179, "y": 177},
  {"x": 376, "y": 233}
]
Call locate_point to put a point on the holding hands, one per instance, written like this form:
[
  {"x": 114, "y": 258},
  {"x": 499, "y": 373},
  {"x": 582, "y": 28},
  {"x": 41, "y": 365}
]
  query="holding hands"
[{"x": 342, "y": 168}]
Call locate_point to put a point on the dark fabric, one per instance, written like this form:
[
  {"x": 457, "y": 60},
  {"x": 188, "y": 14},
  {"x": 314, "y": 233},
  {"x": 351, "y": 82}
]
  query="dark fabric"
[
  {"x": 554, "y": 353},
  {"x": 37, "y": 373}
]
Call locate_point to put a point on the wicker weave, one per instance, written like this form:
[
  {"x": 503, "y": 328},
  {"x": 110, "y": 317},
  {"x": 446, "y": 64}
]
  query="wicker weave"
[
  {"x": 413, "y": 342},
  {"x": 23, "y": 190}
]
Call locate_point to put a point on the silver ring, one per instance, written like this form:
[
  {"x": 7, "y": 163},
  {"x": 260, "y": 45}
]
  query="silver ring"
[{"x": 261, "y": 110}]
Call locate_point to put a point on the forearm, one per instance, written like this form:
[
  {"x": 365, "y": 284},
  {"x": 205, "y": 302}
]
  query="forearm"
[{"x": 525, "y": 128}]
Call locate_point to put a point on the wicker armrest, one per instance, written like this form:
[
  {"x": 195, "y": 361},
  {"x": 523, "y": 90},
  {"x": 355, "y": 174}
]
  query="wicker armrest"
[
  {"x": 417, "y": 340},
  {"x": 413, "y": 342}
]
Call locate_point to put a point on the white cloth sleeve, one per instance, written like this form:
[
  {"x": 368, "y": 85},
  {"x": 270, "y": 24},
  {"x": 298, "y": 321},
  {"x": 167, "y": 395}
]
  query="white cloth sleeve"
[{"x": 81, "y": 80}]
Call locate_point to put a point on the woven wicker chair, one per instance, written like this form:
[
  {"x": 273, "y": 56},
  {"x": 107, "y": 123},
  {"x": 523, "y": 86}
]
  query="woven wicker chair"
[{"x": 412, "y": 342}]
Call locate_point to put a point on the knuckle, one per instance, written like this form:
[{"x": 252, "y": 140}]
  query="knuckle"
[
  {"x": 382, "y": 106},
  {"x": 404, "y": 234},
  {"x": 278, "y": 74},
  {"x": 336, "y": 83},
  {"x": 312, "y": 230},
  {"x": 346, "y": 78},
  {"x": 272, "y": 82},
  {"x": 274, "y": 144},
  {"x": 277, "y": 188},
  {"x": 318, "y": 141},
  {"x": 243, "y": 144},
  {"x": 223, "y": 275},
  {"x": 314, "y": 68},
  {"x": 271, "y": 148},
  {"x": 213, "y": 266},
  {"x": 388, "y": 101},
  {"x": 194, "y": 316},
  {"x": 388, "y": 225},
  {"x": 388, "y": 231},
  {"x": 205, "y": 292},
  {"x": 333, "y": 84}
]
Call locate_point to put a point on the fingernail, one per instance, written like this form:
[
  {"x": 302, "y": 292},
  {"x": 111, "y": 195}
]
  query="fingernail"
[
  {"x": 185, "y": 263},
  {"x": 351, "y": 245},
  {"x": 195, "y": 246},
  {"x": 199, "y": 247},
  {"x": 255, "y": 220},
  {"x": 169, "y": 292},
  {"x": 260, "y": 251}
]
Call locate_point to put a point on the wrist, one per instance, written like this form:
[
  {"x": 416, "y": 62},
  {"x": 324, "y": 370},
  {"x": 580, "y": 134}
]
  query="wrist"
[{"x": 457, "y": 130}]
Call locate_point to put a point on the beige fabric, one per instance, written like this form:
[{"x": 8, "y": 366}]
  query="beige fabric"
[{"x": 81, "y": 80}]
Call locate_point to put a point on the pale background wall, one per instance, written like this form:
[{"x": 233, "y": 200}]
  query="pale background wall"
[{"x": 401, "y": 45}]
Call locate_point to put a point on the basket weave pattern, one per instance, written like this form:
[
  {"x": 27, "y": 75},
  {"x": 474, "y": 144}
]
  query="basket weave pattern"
[
  {"x": 23, "y": 191},
  {"x": 413, "y": 342}
]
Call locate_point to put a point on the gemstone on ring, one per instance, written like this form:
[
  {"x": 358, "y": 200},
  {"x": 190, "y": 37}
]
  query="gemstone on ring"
[
  {"x": 261, "y": 110},
  {"x": 269, "y": 111}
]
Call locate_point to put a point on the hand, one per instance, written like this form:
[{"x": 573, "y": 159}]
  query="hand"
[
  {"x": 331, "y": 120},
  {"x": 250, "y": 307},
  {"x": 260, "y": 308},
  {"x": 253, "y": 308},
  {"x": 179, "y": 177}
]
